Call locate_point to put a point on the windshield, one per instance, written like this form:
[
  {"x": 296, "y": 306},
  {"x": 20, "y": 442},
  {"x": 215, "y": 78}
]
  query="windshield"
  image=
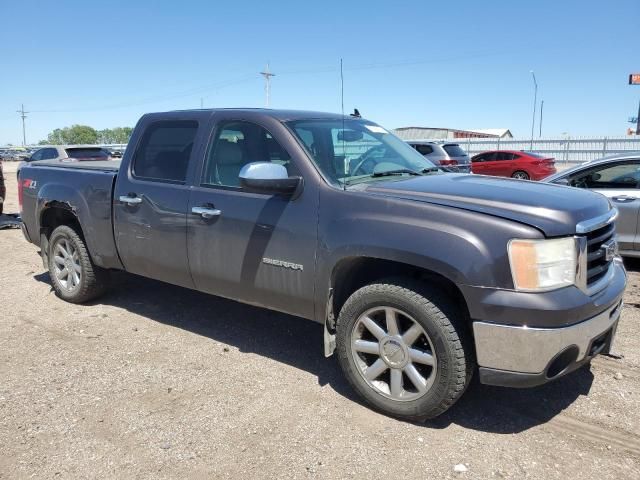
[{"x": 357, "y": 150}]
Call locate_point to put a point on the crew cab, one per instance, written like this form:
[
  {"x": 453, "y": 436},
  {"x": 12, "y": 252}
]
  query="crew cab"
[{"x": 420, "y": 277}]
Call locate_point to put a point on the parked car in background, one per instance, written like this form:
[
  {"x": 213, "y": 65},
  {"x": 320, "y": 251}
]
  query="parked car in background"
[
  {"x": 514, "y": 164},
  {"x": 445, "y": 154},
  {"x": 115, "y": 153},
  {"x": 617, "y": 178},
  {"x": 75, "y": 152}
]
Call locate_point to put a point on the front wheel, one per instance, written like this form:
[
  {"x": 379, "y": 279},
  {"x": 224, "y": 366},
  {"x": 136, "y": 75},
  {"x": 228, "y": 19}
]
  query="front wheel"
[
  {"x": 403, "y": 347},
  {"x": 520, "y": 175},
  {"x": 74, "y": 276}
]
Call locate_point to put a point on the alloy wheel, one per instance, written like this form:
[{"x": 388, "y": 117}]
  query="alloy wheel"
[
  {"x": 66, "y": 263},
  {"x": 393, "y": 353}
]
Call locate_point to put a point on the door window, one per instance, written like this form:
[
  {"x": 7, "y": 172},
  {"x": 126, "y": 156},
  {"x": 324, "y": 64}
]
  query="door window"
[
  {"x": 621, "y": 176},
  {"x": 235, "y": 145},
  {"x": 163, "y": 154},
  {"x": 37, "y": 155},
  {"x": 500, "y": 156},
  {"x": 49, "y": 153}
]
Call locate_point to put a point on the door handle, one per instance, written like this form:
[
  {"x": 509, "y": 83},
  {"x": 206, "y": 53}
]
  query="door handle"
[
  {"x": 206, "y": 212},
  {"x": 623, "y": 198},
  {"x": 130, "y": 200}
]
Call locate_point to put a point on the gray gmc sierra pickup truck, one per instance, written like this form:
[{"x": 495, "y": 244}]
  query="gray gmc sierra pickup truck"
[{"x": 420, "y": 277}]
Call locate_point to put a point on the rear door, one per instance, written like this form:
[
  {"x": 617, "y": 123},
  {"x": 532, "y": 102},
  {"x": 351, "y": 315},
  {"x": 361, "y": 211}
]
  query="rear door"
[
  {"x": 503, "y": 166},
  {"x": 256, "y": 248},
  {"x": 151, "y": 197}
]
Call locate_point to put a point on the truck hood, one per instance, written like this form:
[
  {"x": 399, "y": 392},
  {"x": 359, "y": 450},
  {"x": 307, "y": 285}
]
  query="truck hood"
[{"x": 553, "y": 209}]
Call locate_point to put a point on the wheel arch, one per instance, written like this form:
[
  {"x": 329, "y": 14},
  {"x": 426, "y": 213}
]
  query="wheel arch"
[{"x": 352, "y": 273}]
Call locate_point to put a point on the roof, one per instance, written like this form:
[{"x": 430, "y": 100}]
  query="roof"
[
  {"x": 280, "y": 114},
  {"x": 498, "y": 132}
]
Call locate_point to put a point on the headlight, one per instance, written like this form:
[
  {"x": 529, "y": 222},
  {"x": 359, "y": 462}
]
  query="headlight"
[{"x": 540, "y": 265}]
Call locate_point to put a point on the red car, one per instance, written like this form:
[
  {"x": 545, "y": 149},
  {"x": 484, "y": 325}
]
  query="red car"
[{"x": 512, "y": 163}]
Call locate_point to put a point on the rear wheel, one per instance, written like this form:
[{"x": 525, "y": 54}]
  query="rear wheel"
[
  {"x": 403, "y": 349},
  {"x": 74, "y": 276},
  {"x": 520, "y": 175}
]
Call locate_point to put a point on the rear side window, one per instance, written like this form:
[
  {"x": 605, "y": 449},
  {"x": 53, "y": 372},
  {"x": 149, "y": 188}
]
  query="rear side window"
[
  {"x": 37, "y": 155},
  {"x": 424, "y": 149},
  {"x": 87, "y": 153},
  {"x": 164, "y": 151},
  {"x": 49, "y": 153},
  {"x": 454, "y": 150},
  {"x": 44, "y": 154}
]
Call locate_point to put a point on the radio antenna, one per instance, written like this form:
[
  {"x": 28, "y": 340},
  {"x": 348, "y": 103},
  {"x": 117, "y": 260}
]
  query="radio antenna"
[{"x": 344, "y": 151}]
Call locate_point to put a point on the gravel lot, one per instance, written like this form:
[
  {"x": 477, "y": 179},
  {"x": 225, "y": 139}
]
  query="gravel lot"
[{"x": 156, "y": 381}]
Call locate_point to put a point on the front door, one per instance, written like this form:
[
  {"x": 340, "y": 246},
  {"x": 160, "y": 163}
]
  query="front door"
[
  {"x": 256, "y": 248},
  {"x": 151, "y": 200},
  {"x": 619, "y": 183}
]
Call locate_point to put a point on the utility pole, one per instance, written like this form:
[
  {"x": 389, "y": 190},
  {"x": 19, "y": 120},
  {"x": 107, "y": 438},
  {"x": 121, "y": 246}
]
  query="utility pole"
[
  {"x": 23, "y": 114},
  {"x": 541, "y": 107},
  {"x": 267, "y": 84},
  {"x": 535, "y": 100}
]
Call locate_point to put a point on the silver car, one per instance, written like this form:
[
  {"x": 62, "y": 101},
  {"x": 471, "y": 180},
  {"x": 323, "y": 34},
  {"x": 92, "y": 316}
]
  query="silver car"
[
  {"x": 58, "y": 152},
  {"x": 445, "y": 154},
  {"x": 617, "y": 178}
]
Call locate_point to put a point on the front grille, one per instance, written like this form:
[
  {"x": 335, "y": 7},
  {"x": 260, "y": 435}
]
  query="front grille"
[{"x": 597, "y": 263}]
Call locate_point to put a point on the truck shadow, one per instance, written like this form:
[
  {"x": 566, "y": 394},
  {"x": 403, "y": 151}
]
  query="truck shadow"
[{"x": 297, "y": 342}]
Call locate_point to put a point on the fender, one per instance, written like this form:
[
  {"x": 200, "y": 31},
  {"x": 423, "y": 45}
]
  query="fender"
[
  {"x": 91, "y": 207},
  {"x": 465, "y": 247}
]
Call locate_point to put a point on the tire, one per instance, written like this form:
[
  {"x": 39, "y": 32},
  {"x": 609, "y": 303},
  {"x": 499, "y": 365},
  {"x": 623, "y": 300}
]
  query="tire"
[
  {"x": 88, "y": 282},
  {"x": 444, "y": 335},
  {"x": 520, "y": 175}
]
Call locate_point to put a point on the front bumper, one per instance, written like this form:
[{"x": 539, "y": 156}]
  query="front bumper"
[{"x": 525, "y": 356}]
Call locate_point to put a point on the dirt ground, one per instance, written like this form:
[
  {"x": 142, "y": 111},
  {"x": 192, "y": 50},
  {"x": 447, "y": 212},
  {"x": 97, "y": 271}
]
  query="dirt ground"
[{"x": 155, "y": 381}]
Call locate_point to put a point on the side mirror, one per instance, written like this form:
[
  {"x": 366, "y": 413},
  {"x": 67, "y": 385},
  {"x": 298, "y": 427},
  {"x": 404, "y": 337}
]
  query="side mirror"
[
  {"x": 267, "y": 177},
  {"x": 562, "y": 181}
]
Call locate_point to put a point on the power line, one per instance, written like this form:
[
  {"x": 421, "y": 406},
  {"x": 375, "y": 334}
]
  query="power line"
[
  {"x": 23, "y": 114},
  {"x": 267, "y": 74},
  {"x": 155, "y": 99}
]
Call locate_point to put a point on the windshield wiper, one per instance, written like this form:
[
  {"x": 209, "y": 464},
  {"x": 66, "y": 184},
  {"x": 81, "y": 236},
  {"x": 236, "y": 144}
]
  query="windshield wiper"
[
  {"x": 400, "y": 171},
  {"x": 430, "y": 170}
]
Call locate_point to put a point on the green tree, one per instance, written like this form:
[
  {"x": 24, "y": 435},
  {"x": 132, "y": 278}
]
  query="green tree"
[
  {"x": 73, "y": 135},
  {"x": 115, "y": 135}
]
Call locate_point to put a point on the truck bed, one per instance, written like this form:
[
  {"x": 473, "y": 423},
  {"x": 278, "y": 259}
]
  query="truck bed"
[{"x": 84, "y": 188}]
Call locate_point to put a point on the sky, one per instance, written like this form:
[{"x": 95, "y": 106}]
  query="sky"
[{"x": 464, "y": 64}]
